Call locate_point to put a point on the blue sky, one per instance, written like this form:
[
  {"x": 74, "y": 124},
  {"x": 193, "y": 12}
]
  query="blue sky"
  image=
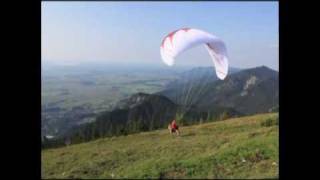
[{"x": 131, "y": 32}]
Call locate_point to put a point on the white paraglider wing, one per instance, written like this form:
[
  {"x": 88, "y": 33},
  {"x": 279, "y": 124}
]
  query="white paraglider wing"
[{"x": 183, "y": 39}]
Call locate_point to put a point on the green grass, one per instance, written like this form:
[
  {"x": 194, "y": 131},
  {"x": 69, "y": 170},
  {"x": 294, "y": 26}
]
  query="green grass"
[{"x": 236, "y": 148}]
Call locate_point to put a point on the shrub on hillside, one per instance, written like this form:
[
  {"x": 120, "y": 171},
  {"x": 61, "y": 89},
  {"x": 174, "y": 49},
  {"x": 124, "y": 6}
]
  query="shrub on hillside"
[
  {"x": 270, "y": 122},
  {"x": 223, "y": 116}
]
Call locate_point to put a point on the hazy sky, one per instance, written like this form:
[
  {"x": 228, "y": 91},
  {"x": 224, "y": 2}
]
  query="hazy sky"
[{"x": 131, "y": 32}]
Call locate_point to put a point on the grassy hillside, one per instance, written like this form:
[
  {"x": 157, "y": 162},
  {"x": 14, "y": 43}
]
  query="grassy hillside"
[{"x": 244, "y": 147}]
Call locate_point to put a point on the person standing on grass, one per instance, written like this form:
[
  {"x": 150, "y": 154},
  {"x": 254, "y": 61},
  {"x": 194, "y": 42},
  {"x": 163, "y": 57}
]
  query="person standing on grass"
[{"x": 175, "y": 127}]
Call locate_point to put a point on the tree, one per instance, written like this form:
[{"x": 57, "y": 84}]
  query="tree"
[{"x": 223, "y": 116}]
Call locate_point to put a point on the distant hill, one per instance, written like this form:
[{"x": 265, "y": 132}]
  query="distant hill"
[
  {"x": 247, "y": 91},
  {"x": 191, "y": 77},
  {"x": 152, "y": 110},
  {"x": 139, "y": 112},
  {"x": 72, "y": 95},
  {"x": 244, "y": 92}
]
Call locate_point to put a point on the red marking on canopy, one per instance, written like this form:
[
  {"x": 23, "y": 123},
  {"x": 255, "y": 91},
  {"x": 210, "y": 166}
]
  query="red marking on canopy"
[{"x": 170, "y": 35}]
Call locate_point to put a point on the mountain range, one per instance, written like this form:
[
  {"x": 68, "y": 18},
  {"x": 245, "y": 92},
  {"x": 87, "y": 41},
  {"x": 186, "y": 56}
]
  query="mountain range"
[
  {"x": 198, "y": 95},
  {"x": 247, "y": 91}
]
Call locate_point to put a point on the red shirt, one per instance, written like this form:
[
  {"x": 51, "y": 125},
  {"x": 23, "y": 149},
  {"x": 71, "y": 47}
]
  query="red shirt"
[{"x": 173, "y": 125}]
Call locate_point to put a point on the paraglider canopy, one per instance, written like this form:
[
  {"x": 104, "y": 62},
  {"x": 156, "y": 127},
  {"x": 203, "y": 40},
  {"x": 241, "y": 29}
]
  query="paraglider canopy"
[{"x": 183, "y": 39}]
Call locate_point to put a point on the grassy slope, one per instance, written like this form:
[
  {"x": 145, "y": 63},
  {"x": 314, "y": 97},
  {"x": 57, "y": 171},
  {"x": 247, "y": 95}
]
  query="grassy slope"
[{"x": 235, "y": 148}]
